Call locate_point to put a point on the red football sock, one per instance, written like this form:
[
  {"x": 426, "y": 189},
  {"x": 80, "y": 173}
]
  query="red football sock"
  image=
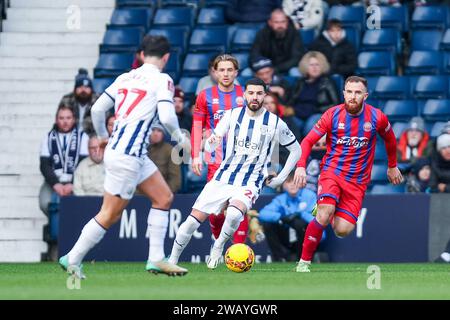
[
  {"x": 216, "y": 223},
  {"x": 313, "y": 235},
  {"x": 241, "y": 233}
]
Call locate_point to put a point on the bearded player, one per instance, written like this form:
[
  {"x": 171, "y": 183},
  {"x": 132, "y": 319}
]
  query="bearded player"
[
  {"x": 351, "y": 130},
  {"x": 210, "y": 106}
]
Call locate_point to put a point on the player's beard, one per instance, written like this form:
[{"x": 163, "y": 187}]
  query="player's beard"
[
  {"x": 253, "y": 107},
  {"x": 353, "y": 108}
]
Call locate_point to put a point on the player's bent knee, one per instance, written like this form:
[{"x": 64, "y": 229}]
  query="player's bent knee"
[{"x": 163, "y": 202}]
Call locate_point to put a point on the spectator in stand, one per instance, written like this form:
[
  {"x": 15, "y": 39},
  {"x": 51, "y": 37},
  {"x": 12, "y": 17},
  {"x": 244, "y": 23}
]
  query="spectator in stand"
[
  {"x": 90, "y": 174},
  {"x": 183, "y": 114},
  {"x": 315, "y": 91},
  {"x": 414, "y": 142},
  {"x": 306, "y": 14},
  {"x": 271, "y": 103},
  {"x": 440, "y": 165},
  {"x": 209, "y": 80},
  {"x": 110, "y": 118},
  {"x": 279, "y": 41},
  {"x": 292, "y": 209},
  {"x": 250, "y": 11},
  {"x": 137, "y": 62},
  {"x": 419, "y": 178},
  {"x": 160, "y": 152},
  {"x": 276, "y": 84},
  {"x": 81, "y": 100},
  {"x": 340, "y": 53}
]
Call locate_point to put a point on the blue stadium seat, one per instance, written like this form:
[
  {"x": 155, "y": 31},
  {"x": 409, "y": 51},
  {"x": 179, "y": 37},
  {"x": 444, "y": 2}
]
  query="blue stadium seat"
[
  {"x": 387, "y": 39},
  {"x": 121, "y": 40},
  {"x": 378, "y": 174},
  {"x": 436, "y": 17},
  {"x": 436, "y": 110},
  {"x": 446, "y": 65},
  {"x": 131, "y": 17},
  {"x": 188, "y": 85},
  {"x": 350, "y": 16},
  {"x": 113, "y": 64},
  {"x": 211, "y": 38},
  {"x": 380, "y": 155},
  {"x": 426, "y": 40},
  {"x": 371, "y": 85},
  {"x": 431, "y": 87},
  {"x": 394, "y": 17},
  {"x": 392, "y": 87},
  {"x": 379, "y": 104},
  {"x": 310, "y": 122},
  {"x": 353, "y": 35},
  {"x": 376, "y": 63},
  {"x": 187, "y": 3},
  {"x": 215, "y": 3},
  {"x": 400, "y": 110},
  {"x": 445, "y": 42},
  {"x": 399, "y": 127},
  {"x": 208, "y": 16},
  {"x": 99, "y": 85},
  {"x": 242, "y": 58},
  {"x": 436, "y": 128},
  {"x": 424, "y": 62},
  {"x": 387, "y": 189},
  {"x": 307, "y": 35},
  {"x": 243, "y": 38},
  {"x": 196, "y": 64},
  {"x": 292, "y": 80},
  {"x": 136, "y": 3},
  {"x": 339, "y": 82},
  {"x": 173, "y": 66},
  {"x": 177, "y": 36},
  {"x": 174, "y": 16}
]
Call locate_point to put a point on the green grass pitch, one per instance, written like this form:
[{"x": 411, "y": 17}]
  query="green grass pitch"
[{"x": 264, "y": 281}]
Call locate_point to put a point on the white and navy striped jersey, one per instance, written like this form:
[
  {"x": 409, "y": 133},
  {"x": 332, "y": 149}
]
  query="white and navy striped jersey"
[
  {"x": 250, "y": 142},
  {"x": 136, "y": 95}
]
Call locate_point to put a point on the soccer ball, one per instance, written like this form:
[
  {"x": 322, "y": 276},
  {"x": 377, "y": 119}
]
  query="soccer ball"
[{"x": 239, "y": 257}]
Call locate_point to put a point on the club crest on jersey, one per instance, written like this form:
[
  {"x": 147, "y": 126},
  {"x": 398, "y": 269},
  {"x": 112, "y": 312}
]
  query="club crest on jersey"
[
  {"x": 265, "y": 129},
  {"x": 367, "y": 127},
  {"x": 341, "y": 126},
  {"x": 219, "y": 114},
  {"x": 239, "y": 101},
  {"x": 356, "y": 142}
]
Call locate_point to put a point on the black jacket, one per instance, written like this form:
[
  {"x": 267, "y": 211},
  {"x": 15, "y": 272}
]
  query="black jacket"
[
  {"x": 285, "y": 53},
  {"x": 342, "y": 57},
  {"x": 327, "y": 96},
  {"x": 440, "y": 172}
]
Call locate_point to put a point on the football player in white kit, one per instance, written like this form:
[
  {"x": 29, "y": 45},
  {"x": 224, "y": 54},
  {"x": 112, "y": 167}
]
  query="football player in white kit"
[
  {"x": 139, "y": 97},
  {"x": 251, "y": 134}
]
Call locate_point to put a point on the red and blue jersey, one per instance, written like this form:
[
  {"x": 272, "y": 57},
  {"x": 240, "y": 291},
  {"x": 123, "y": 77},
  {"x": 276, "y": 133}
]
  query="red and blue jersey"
[
  {"x": 210, "y": 106},
  {"x": 351, "y": 141}
]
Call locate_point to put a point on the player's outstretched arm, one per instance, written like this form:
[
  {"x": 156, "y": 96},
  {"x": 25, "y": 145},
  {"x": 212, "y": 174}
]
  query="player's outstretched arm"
[
  {"x": 98, "y": 114},
  {"x": 387, "y": 134},
  {"x": 295, "y": 152}
]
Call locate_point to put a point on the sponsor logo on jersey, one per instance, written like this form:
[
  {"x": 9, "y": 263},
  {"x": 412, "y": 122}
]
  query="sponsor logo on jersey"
[
  {"x": 341, "y": 126},
  {"x": 356, "y": 142},
  {"x": 247, "y": 147},
  {"x": 219, "y": 114},
  {"x": 367, "y": 127},
  {"x": 215, "y": 101}
]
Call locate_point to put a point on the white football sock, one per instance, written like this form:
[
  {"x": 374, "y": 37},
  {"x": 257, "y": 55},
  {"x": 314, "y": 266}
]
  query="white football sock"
[
  {"x": 183, "y": 237},
  {"x": 445, "y": 256},
  {"x": 91, "y": 234},
  {"x": 232, "y": 220},
  {"x": 158, "y": 221}
]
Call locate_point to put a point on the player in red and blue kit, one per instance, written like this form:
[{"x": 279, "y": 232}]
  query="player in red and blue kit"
[
  {"x": 210, "y": 106},
  {"x": 351, "y": 132}
]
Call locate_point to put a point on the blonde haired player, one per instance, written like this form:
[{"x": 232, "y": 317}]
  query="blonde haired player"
[
  {"x": 139, "y": 97},
  {"x": 252, "y": 133}
]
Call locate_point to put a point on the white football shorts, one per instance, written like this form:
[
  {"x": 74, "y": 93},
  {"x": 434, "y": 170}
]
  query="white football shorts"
[
  {"x": 124, "y": 172},
  {"x": 216, "y": 195}
]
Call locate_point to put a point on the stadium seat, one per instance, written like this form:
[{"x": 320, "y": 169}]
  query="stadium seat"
[
  {"x": 173, "y": 66},
  {"x": 436, "y": 128},
  {"x": 380, "y": 152},
  {"x": 211, "y": 38},
  {"x": 436, "y": 17},
  {"x": 378, "y": 174},
  {"x": 376, "y": 63},
  {"x": 174, "y": 16},
  {"x": 400, "y": 110},
  {"x": 243, "y": 38},
  {"x": 188, "y": 85},
  {"x": 426, "y": 40},
  {"x": 113, "y": 64},
  {"x": 394, "y": 17},
  {"x": 100, "y": 84},
  {"x": 307, "y": 35},
  {"x": 445, "y": 42},
  {"x": 121, "y": 40},
  {"x": 436, "y": 110},
  {"x": 387, "y": 189},
  {"x": 177, "y": 36},
  {"x": 431, "y": 87},
  {"x": 196, "y": 64},
  {"x": 446, "y": 64},
  {"x": 292, "y": 80},
  {"x": 187, "y": 3},
  {"x": 354, "y": 36},
  {"x": 392, "y": 87},
  {"x": 339, "y": 82},
  {"x": 387, "y": 39},
  {"x": 399, "y": 127},
  {"x": 350, "y": 16},
  {"x": 371, "y": 85},
  {"x": 136, "y": 3},
  {"x": 215, "y": 3},
  {"x": 131, "y": 17},
  {"x": 310, "y": 122},
  {"x": 424, "y": 62},
  {"x": 242, "y": 58},
  {"x": 208, "y": 16}
]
